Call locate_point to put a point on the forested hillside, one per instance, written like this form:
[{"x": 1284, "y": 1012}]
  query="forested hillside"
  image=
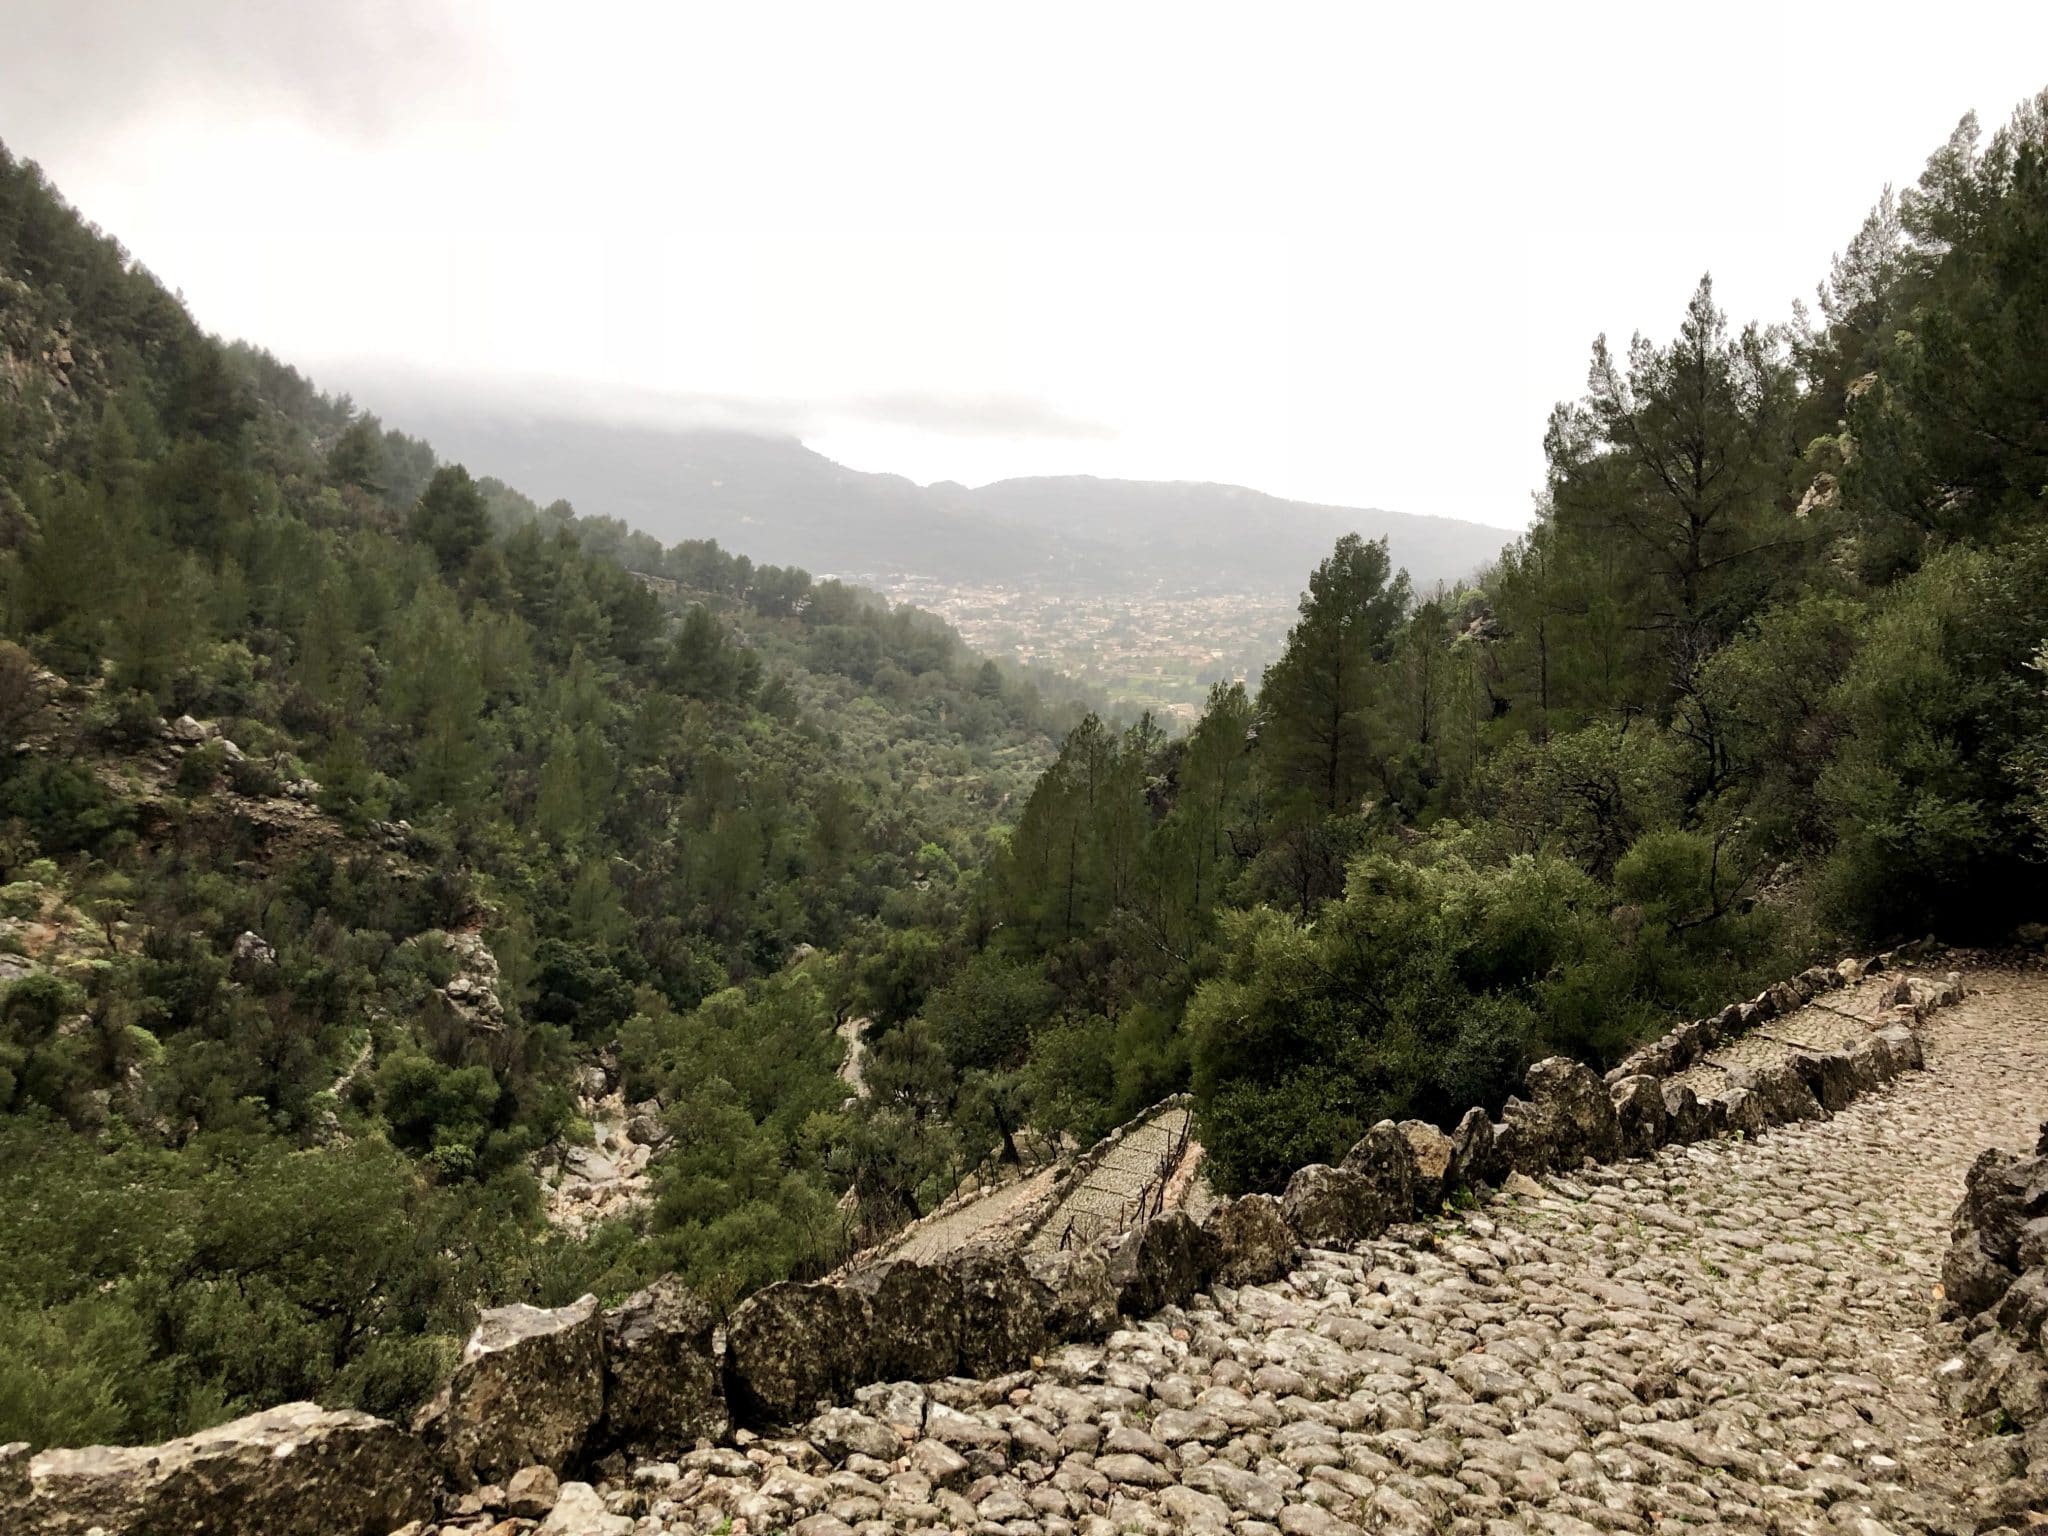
[
  {"x": 352, "y": 813},
  {"x": 1769, "y": 668}
]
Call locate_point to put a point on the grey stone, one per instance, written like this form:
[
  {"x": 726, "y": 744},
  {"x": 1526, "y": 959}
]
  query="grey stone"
[
  {"x": 791, "y": 1347},
  {"x": 1254, "y": 1243},
  {"x": 529, "y": 1389},
  {"x": 663, "y": 1390},
  {"x": 1567, "y": 1118},
  {"x": 295, "y": 1470},
  {"x": 915, "y": 1321},
  {"x": 1639, "y": 1107},
  {"x": 1003, "y": 1312},
  {"x": 1161, "y": 1263},
  {"x": 1382, "y": 1156},
  {"x": 1329, "y": 1208},
  {"x": 1083, "y": 1297}
]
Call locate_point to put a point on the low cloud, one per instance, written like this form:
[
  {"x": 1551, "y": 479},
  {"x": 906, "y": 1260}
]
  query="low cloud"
[
  {"x": 391, "y": 387},
  {"x": 71, "y": 70},
  {"x": 1008, "y": 416}
]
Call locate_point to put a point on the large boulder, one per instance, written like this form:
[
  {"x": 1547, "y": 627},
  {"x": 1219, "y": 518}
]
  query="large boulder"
[
  {"x": 294, "y": 1470},
  {"x": 1686, "y": 1119},
  {"x": 529, "y": 1389},
  {"x": 1639, "y": 1106},
  {"x": 663, "y": 1390},
  {"x": 1161, "y": 1263},
  {"x": 1003, "y": 1312},
  {"x": 1567, "y": 1118},
  {"x": 1382, "y": 1155},
  {"x": 1476, "y": 1156},
  {"x": 1780, "y": 1091},
  {"x": 1254, "y": 1243},
  {"x": 1429, "y": 1151},
  {"x": 1083, "y": 1296},
  {"x": 2002, "y": 1195},
  {"x": 1329, "y": 1208},
  {"x": 1834, "y": 1078},
  {"x": 791, "y": 1348},
  {"x": 915, "y": 1322}
]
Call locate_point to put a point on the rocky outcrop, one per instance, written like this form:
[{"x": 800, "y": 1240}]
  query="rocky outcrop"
[
  {"x": 295, "y": 1470},
  {"x": 1995, "y": 1281},
  {"x": 529, "y": 1389},
  {"x": 663, "y": 1391}
]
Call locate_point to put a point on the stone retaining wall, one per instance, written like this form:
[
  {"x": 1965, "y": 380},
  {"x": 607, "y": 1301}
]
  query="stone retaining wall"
[
  {"x": 1995, "y": 1282},
  {"x": 539, "y": 1392}
]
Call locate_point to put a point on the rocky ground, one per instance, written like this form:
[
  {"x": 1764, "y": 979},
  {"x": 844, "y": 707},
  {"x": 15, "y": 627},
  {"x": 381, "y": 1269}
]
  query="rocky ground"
[{"x": 1733, "y": 1336}]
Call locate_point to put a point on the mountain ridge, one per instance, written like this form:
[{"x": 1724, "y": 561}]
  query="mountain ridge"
[{"x": 776, "y": 499}]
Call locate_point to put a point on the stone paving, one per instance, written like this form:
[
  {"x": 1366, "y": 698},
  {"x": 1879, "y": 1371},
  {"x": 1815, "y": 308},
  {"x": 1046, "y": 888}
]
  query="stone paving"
[
  {"x": 1109, "y": 1199},
  {"x": 1731, "y": 1337},
  {"x": 1830, "y": 1022}
]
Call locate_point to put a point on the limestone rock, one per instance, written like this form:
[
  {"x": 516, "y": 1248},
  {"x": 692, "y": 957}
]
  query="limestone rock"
[
  {"x": 1475, "y": 1152},
  {"x": 842, "y": 1432},
  {"x": 1002, "y": 1312},
  {"x": 529, "y": 1390},
  {"x": 580, "y": 1511},
  {"x": 663, "y": 1390},
  {"x": 1832, "y": 1077},
  {"x": 791, "y": 1346},
  {"x": 915, "y": 1321},
  {"x": 1781, "y": 1093},
  {"x": 1685, "y": 1118},
  {"x": 1382, "y": 1156},
  {"x": 294, "y": 1470},
  {"x": 1639, "y": 1106},
  {"x": 532, "y": 1492},
  {"x": 1430, "y": 1151},
  {"x": 1567, "y": 1118},
  {"x": 251, "y": 954},
  {"x": 1329, "y": 1208},
  {"x": 1254, "y": 1243},
  {"x": 1083, "y": 1297},
  {"x": 1161, "y": 1263}
]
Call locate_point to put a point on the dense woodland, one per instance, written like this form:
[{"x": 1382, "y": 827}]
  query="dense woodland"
[{"x": 1765, "y": 675}]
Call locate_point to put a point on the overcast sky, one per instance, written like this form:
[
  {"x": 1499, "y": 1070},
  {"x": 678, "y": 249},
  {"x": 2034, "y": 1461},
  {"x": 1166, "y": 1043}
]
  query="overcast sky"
[{"x": 1332, "y": 251}]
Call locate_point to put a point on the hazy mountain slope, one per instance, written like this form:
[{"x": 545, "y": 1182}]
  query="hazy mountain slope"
[
  {"x": 777, "y": 501},
  {"x": 1227, "y": 534}
]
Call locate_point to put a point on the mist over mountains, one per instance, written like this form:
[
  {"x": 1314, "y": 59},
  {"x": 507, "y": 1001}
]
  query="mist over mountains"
[{"x": 773, "y": 499}]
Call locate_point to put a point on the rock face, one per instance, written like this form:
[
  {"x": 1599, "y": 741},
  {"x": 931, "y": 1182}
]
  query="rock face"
[
  {"x": 529, "y": 1390},
  {"x": 1995, "y": 1277},
  {"x": 791, "y": 1347},
  {"x": 663, "y": 1390},
  {"x": 1329, "y": 1208},
  {"x": 1566, "y": 1119},
  {"x": 1254, "y": 1243},
  {"x": 295, "y": 1470}
]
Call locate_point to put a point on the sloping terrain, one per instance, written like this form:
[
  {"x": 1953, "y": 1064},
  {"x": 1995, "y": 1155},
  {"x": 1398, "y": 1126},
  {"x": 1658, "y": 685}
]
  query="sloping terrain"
[{"x": 1731, "y": 1336}]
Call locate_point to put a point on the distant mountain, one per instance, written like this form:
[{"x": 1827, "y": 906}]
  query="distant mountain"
[{"x": 778, "y": 502}]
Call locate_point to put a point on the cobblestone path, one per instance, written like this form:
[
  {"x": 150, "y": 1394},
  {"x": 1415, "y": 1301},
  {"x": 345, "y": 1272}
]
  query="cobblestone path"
[
  {"x": 1107, "y": 1201},
  {"x": 1732, "y": 1337}
]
